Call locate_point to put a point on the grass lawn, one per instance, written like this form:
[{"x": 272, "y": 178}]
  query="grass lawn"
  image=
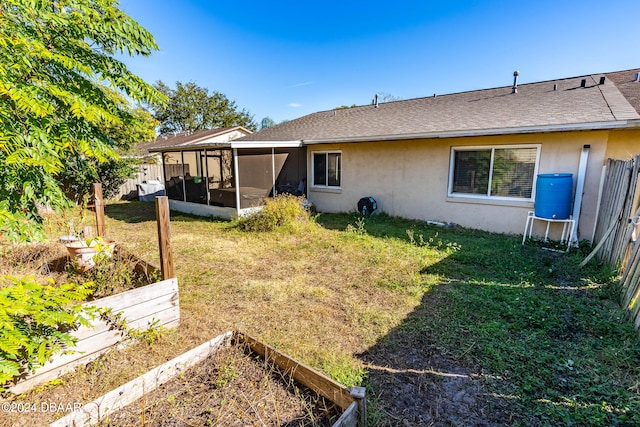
[{"x": 443, "y": 326}]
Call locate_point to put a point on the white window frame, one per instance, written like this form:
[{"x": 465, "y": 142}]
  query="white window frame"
[
  {"x": 326, "y": 172},
  {"x": 488, "y": 196}
]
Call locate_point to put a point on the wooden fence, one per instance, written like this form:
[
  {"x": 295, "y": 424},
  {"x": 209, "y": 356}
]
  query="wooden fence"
[
  {"x": 146, "y": 172},
  {"x": 618, "y": 229}
]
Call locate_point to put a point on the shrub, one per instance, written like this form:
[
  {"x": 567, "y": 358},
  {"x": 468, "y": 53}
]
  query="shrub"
[
  {"x": 284, "y": 211},
  {"x": 34, "y": 323}
]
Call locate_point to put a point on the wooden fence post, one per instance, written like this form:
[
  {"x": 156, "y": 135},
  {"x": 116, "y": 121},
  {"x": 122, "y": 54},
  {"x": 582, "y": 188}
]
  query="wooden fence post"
[
  {"x": 359, "y": 394},
  {"x": 164, "y": 237},
  {"x": 99, "y": 204}
]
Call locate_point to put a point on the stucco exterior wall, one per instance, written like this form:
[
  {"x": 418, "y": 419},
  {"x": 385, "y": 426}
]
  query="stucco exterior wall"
[
  {"x": 410, "y": 179},
  {"x": 623, "y": 144}
]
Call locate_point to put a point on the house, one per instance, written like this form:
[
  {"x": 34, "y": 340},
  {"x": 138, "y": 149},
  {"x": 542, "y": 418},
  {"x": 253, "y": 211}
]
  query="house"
[
  {"x": 151, "y": 167},
  {"x": 205, "y": 174},
  {"x": 470, "y": 158}
]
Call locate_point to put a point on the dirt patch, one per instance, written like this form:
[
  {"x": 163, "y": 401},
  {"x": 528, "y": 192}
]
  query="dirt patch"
[
  {"x": 418, "y": 382},
  {"x": 232, "y": 387},
  {"x": 427, "y": 390}
]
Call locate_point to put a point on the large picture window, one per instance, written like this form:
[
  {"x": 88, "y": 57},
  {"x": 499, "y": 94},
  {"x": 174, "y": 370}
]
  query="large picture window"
[
  {"x": 498, "y": 172},
  {"x": 327, "y": 169}
]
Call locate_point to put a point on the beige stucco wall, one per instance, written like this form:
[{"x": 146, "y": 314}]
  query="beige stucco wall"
[
  {"x": 410, "y": 179},
  {"x": 623, "y": 144}
]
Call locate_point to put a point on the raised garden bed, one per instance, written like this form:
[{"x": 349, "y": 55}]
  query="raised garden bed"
[
  {"x": 231, "y": 380},
  {"x": 153, "y": 305}
]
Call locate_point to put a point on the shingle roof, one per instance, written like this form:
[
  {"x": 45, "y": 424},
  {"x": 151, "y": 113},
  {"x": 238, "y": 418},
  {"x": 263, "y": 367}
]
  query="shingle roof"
[
  {"x": 166, "y": 141},
  {"x": 534, "y": 105},
  {"x": 627, "y": 84}
]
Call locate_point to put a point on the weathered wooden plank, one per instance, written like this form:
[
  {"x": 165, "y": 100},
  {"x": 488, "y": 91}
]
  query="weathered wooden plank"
[
  {"x": 314, "y": 380},
  {"x": 147, "y": 308},
  {"x": 90, "y": 349},
  {"x": 117, "y": 399},
  {"x": 349, "y": 417},
  {"x": 132, "y": 314},
  {"x": 136, "y": 296},
  {"x": 140, "y": 308},
  {"x": 631, "y": 277},
  {"x": 99, "y": 409},
  {"x": 106, "y": 338},
  {"x": 616, "y": 229},
  {"x": 65, "y": 363}
]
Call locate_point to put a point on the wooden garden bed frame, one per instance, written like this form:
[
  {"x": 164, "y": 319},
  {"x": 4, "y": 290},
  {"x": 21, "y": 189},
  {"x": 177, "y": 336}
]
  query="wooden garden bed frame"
[
  {"x": 350, "y": 401},
  {"x": 148, "y": 306}
]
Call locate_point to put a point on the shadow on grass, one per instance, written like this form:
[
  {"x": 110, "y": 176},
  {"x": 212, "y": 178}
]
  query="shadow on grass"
[
  {"x": 137, "y": 212},
  {"x": 484, "y": 354},
  {"x": 513, "y": 335},
  {"x": 131, "y": 212}
]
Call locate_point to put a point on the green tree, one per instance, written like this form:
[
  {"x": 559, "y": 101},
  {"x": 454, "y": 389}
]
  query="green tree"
[
  {"x": 191, "y": 108},
  {"x": 80, "y": 172},
  {"x": 267, "y": 122},
  {"x": 62, "y": 92}
]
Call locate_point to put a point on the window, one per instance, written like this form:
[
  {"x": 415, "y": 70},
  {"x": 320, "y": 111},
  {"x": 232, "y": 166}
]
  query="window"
[
  {"x": 498, "y": 172},
  {"x": 327, "y": 169}
]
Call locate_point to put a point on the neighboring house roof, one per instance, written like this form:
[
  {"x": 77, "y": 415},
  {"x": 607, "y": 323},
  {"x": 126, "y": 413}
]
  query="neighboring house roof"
[
  {"x": 189, "y": 138},
  {"x": 535, "y": 107}
]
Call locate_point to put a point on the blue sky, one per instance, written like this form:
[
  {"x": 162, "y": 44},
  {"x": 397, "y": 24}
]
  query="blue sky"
[{"x": 286, "y": 59}]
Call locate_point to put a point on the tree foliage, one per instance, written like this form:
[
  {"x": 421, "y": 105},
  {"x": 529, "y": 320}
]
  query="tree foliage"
[
  {"x": 191, "y": 108},
  {"x": 80, "y": 172},
  {"x": 62, "y": 92},
  {"x": 35, "y": 321},
  {"x": 266, "y": 123}
]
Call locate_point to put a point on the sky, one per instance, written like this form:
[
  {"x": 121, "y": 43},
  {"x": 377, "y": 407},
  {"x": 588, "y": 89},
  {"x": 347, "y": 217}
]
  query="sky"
[{"x": 286, "y": 59}]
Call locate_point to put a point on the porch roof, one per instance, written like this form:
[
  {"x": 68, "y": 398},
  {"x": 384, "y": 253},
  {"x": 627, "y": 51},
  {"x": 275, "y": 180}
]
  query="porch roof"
[
  {"x": 218, "y": 135},
  {"x": 229, "y": 145}
]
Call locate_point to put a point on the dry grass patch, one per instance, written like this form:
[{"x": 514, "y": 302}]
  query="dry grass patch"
[{"x": 448, "y": 327}]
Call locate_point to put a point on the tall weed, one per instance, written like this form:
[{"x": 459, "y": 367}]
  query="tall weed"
[{"x": 284, "y": 211}]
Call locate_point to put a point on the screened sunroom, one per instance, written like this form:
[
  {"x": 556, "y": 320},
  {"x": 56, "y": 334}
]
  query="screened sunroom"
[{"x": 233, "y": 178}]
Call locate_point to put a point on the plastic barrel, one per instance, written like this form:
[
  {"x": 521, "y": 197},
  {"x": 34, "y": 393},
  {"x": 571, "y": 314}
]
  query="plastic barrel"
[{"x": 553, "y": 195}]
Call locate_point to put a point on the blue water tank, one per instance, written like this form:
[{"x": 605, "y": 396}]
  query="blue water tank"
[{"x": 553, "y": 195}]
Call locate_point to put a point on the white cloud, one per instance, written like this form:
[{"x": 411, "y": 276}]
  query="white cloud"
[
  {"x": 295, "y": 105},
  {"x": 301, "y": 84}
]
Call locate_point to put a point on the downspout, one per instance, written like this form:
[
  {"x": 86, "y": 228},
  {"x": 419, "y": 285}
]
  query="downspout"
[
  {"x": 236, "y": 180},
  {"x": 577, "y": 203}
]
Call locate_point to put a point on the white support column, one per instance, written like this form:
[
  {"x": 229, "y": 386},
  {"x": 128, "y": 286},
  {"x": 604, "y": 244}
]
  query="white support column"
[
  {"x": 206, "y": 178},
  {"x": 273, "y": 171},
  {"x": 236, "y": 179}
]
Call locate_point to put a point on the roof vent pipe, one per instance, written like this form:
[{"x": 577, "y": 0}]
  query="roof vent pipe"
[
  {"x": 555, "y": 86},
  {"x": 375, "y": 101},
  {"x": 583, "y": 83},
  {"x": 637, "y": 77},
  {"x": 515, "y": 82},
  {"x": 602, "y": 80}
]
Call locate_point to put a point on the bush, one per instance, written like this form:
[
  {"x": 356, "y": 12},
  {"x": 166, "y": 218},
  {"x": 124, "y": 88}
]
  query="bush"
[
  {"x": 284, "y": 211},
  {"x": 35, "y": 321}
]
